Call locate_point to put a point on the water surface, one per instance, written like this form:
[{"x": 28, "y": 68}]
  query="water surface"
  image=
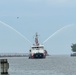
[{"x": 52, "y": 65}]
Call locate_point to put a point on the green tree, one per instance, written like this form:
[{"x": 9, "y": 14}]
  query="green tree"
[{"x": 73, "y": 47}]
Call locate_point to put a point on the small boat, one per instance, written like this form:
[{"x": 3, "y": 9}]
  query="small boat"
[{"x": 37, "y": 50}]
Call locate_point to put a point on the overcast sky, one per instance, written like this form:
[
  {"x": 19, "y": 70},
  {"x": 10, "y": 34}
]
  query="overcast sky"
[{"x": 54, "y": 20}]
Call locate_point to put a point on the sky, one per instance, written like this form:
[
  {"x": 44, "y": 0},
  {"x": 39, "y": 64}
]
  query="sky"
[{"x": 54, "y": 20}]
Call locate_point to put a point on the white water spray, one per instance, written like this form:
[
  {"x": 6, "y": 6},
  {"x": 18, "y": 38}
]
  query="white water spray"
[
  {"x": 15, "y": 31},
  {"x": 57, "y": 32}
]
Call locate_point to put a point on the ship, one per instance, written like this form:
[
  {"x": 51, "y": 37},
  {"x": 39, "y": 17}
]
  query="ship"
[{"x": 37, "y": 50}]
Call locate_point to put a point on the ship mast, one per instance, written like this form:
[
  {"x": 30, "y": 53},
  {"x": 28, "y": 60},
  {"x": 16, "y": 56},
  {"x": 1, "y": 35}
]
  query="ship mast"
[{"x": 36, "y": 39}]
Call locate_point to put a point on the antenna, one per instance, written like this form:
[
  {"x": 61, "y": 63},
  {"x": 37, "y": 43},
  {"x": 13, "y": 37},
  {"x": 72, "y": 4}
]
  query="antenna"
[{"x": 36, "y": 39}]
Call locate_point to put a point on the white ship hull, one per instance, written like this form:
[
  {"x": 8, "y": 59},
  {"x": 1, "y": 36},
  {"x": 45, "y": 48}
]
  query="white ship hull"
[{"x": 37, "y": 55}]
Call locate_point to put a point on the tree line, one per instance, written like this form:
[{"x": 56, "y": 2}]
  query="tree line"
[{"x": 73, "y": 46}]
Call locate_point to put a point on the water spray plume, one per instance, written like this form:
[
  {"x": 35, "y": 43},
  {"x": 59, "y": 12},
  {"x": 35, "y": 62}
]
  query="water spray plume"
[
  {"x": 56, "y": 32},
  {"x": 15, "y": 31}
]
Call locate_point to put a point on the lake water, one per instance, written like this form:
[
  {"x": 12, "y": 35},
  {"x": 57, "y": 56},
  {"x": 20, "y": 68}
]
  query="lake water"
[{"x": 52, "y": 65}]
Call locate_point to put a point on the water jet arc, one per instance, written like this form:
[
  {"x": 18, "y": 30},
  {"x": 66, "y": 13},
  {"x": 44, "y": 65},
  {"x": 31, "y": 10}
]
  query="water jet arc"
[
  {"x": 15, "y": 31},
  {"x": 57, "y": 32}
]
